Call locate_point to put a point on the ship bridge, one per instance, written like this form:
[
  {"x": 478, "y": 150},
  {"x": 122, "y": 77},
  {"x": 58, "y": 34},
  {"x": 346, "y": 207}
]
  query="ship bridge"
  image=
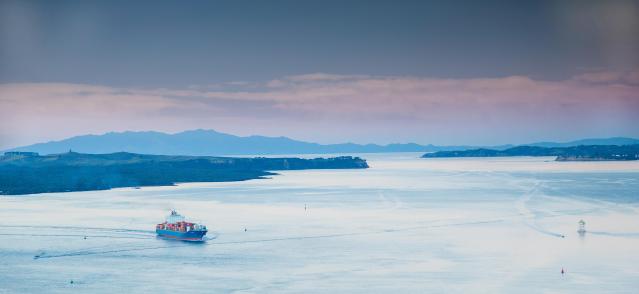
[{"x": 175, "y": 218}]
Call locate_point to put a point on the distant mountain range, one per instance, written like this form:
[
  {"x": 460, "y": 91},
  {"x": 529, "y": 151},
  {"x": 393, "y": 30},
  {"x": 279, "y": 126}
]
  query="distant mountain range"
[{"x": 210, "y": 142}]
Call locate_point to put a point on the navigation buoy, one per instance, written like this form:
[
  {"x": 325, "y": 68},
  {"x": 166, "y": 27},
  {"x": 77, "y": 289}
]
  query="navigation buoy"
[{"x": 39, "y": 255}]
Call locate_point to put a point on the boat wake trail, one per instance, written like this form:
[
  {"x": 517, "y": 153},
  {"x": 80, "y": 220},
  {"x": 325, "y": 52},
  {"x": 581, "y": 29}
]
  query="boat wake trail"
[
  {"x": 185, "y": 244},
  {"x": 626, "y": 235},
  {"x": 78, "y": 232},
  {"x": 80, "y": 228},
  {"x": 522, "y": 207},
  {"x": 76, "y": 235}
]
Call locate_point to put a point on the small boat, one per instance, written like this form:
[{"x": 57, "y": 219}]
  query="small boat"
[
  {"x": 582, "y": 227},
  {"x": 175, "y": 227}
]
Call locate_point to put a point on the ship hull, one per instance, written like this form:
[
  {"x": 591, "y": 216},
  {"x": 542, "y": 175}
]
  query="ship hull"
[{"x": 183, "y": 236}]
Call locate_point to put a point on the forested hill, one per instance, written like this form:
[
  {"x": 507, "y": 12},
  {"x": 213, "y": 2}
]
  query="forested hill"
[
  {"x": 28, "y": 173},
  {"x": 575, "y": 153}
]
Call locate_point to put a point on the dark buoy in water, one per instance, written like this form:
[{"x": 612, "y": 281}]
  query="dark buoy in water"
[
  {"x": 244, "y": 229},
  {"x": 562, "y": 271},
  {"x": 85, "y": 237},
  {"x": 71, "y": 282},
  {"x": 39, "y": 255}
]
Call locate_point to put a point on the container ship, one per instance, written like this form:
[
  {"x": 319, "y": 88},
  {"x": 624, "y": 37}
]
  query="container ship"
[{"x": 175, "y": 227}]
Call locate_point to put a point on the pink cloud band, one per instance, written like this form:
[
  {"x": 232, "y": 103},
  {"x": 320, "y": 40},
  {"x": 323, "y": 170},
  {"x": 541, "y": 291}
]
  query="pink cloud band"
[{"x": 404, "y": 108}]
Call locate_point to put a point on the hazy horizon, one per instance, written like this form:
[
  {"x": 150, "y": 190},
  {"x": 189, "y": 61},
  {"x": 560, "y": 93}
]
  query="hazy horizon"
[{"x": 323, "y": 143}]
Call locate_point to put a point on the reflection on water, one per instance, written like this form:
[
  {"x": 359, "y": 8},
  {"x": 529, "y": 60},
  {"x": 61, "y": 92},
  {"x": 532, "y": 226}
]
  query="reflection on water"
[{"x": 406, "y": 224}]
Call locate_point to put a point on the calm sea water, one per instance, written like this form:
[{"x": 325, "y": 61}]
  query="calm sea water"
[{"x": 406, "y": 225}]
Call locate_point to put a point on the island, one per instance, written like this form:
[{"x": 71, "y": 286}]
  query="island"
[
  {"x": 31, "y": 173},
  {"x": 574, "y": 153}
]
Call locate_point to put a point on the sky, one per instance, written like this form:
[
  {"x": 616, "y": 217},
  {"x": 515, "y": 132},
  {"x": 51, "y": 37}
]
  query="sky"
[{"x": 440, "y": 72}]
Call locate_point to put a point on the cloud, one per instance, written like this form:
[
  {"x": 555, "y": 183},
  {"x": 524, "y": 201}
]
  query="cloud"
[
  {"x": 328, "y": 107},
  {"x": 628, "y": 77}
]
